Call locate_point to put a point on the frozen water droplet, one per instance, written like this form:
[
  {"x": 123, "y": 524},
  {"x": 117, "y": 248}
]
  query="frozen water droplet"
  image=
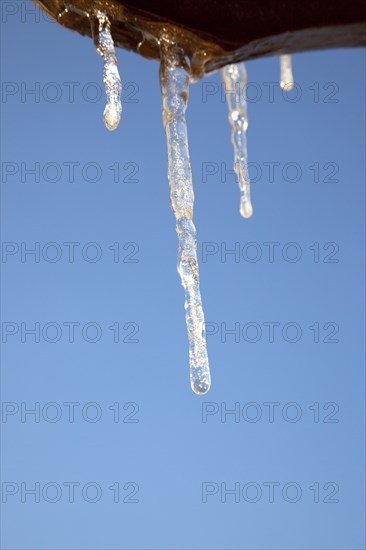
[
  {"x": 286, "y": 76},
  {"x": 175, "y": 87},
  {"x": 111, "y": 78},
  {"x": 246, "y": 209},
  {"x": 235, "y": 81}
]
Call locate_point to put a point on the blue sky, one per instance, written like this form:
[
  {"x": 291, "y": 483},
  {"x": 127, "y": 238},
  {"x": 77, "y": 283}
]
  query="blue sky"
[{"x": 106, "y": 367}]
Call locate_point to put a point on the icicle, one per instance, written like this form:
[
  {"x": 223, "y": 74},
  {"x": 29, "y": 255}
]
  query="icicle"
[
  {"x": 111, "y": 78},
  {"x": 175, "y": 87},
  {"x": 235, "y": 80},
  {"x": 101, "y": 31},
  {"x": 286, "y": 77}
]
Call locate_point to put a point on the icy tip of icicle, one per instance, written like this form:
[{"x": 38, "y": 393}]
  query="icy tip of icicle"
[
  {"x": 286, "y": 86},
  {"x": 286, "y": 76},
  {"x": 200, "y": 380},
  {"x": 246, "y": 208},
  {"x": 111, "y": 117}
]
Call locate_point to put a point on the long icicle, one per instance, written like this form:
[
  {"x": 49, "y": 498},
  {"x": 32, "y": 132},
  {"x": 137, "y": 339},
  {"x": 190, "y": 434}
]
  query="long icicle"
[
  {"x": 235, "y": 81},
  {"x": 175, "y": 87},
  {"x": 112, "y": 81},
  {"x": 286, "y": 77}
]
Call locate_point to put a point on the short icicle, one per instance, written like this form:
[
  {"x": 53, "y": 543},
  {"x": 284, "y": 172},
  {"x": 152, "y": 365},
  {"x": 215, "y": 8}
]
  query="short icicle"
[
  {"x": 174, "y": 81},
  {"x": 286, "y": 77},
  {"x": 112, "y": 81},
  {"x": 235, "y": 81}
]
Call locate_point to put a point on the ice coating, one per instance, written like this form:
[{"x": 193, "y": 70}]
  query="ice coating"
[
  {"x": 235, "y": 81},
  {"x": 174, "y": 81},
  {"x": 111, "y": 78},
  {"x": 286, "y": 77}
]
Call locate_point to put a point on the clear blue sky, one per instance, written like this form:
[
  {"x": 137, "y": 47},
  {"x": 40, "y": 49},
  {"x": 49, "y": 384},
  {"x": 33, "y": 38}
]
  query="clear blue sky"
[{"x": 171, "y": 451}]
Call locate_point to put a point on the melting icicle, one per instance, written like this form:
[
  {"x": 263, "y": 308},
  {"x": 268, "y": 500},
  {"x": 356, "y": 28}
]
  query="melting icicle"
[
  {"x": 175, "y": 87},
  {"x": 286, "y": 77},
  {"x": 111, "y": 78},
  {"x": 101, "y": 31},
  {"x": 235, "y": 80}
]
